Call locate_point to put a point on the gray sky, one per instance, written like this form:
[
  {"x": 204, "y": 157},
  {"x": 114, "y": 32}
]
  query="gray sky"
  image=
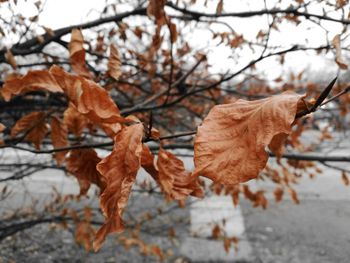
[{"x": 62, "y": 13}]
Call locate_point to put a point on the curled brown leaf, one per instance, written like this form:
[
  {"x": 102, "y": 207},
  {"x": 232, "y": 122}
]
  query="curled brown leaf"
[
  {"x": 2, "y": 127},
  {"x": 119, "y": 170},
  {"x": 175, "y": 181},
  {"x": 156, "y": 9},
  {"x": 114, "y": 63},
  {"x": 10, "y": 58},
  {"x": 230, "y": 144},
  {"x": 59, "y": 137},
  {"x": 82, "y": 164},
  {"x": 338, "y": 56},
  {"x": 77, "y": 54},
  {"x": 32, "y": 126},
  {"x": 33, "y": 81}
]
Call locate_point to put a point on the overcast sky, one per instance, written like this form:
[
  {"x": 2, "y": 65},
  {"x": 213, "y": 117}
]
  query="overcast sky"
[{"x": 61, "y": 13}]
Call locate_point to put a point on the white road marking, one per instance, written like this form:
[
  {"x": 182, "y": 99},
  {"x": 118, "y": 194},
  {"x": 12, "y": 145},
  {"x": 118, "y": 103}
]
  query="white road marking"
[
  {"x": 205, "y": 214},
  {"x": 213, "y": 210}
]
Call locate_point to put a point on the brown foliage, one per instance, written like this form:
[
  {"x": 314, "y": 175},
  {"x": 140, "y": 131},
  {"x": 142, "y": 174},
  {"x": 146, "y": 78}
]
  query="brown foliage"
[
  {"x": 77, "y": 54},
  {"x": 114, "y": 63},
  {"x": 32, "y": 81},
  {"x": 175, "y": 181},
  {"x": 82, "y": 164},
  {"x": 230, "y": 144},
  {"x": 119, "y": 171},
  {"x": 163, "y": 89},
  {"x": 32, "y": 126},
  {"x": 59, "y": 137}
]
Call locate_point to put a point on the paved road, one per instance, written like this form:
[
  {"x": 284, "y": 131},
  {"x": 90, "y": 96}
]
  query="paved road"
[{"x": 317, "y": 230}]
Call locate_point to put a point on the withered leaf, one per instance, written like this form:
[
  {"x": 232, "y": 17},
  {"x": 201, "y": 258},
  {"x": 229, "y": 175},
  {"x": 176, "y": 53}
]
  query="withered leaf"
[
  {"x": 2, "y": 127},
  {"x": 59, "y": 137},
  {"x": 230, "y": 144},
  {"x": 175, "y": 181},
  {"x": 260, "y": 199},
  {"x": 338, "y": 57},
  {"x": 216, "y": 232},
  {"x": 74, "y": 120},
  {"x": 345, "y": 178},
  {"x": 33, "y": 126},
  {"x": 227, "y": 244},
  {"x": 341, "y": 3},
  {"x": 156, "y": 8},
  {"x": 32, "y": 81},
  {"x": 173, "y": 32},
  {"x": 220, "y": 7},
  {"x": 88, "y": 97},
  {"x": 293, "y": 194},
  {"x": 84, "y": 232},
  {"x": 119, "y": 170},
  {"x": 278, "y": 193},
  {"x": 69, "y": 83},
  {"x": 10, "y": 58},
  {"x": 156, "y": 250},
  {"x": 147, "y": 162},
  {"x": 111, "y": 129},
  {"x": 82, "y": 164},
  {"x": 77, "y": 54},
  {"x": 114, "y": 63},
  {"x": 97, "y": 105}
]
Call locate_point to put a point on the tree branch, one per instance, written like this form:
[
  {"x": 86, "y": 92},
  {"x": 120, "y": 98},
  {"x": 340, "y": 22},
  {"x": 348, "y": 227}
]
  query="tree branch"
[{"x": 33, "y": 45}]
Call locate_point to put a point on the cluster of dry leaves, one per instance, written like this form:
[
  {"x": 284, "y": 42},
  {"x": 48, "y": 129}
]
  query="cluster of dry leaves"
[{"x": 230, "y": 145}]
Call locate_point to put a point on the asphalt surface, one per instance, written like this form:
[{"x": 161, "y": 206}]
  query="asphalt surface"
[{"x": 316, "y": 230}]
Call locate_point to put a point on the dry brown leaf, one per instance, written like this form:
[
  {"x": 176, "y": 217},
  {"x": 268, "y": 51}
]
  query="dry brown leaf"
[
  {"x": 77, "y": 54},
  {"x": 84, "y": 232},
  {"x": 119, "y": 170},
  {"x": 59, "y": 137},
  {"x": 33, "y": 126},
  {"x": 147, "y": 162},
  {"x": 260, "y": 199},
  {"x": 75, "y": 121},
  {"x": 293, "y": 194},
  {"x": 227, "y": 244},
  {"x": 338, "y": 57},
  {"x": 248, "y": 194},
  {"x": 2, "y": 127},
  {"x": 277, "y": 145},
  {"x": 69, "y": 83},
  {"x": 216, "y": 232},
  {"x": 32, "y": 81},
  {"x": 278, "y": 193},
  {"x": 88, "y": 97},
  {"x": 173, "y": 32},
  {"x": 49, "y": 31},
  {"x": 158, "y": 252},
  {"x": 234, "y": 194},
  {"x": 111, "y": 129},
  {"x": 230, "y": 144},
  {"x": 175, "y": 181},
  {"x": 10, "y": 58},
  {"x": 82, "y": 164},
  {"x": 345, "y": 178},
  {"x": 114, "y": 63},
  {"x": 220, "y": 7},
  {"x": 156, "y": 8},
  {"x": 97, "y": 105},
  {"x": 341, "y": 3},
  {"x": 155, "y": 134}
]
